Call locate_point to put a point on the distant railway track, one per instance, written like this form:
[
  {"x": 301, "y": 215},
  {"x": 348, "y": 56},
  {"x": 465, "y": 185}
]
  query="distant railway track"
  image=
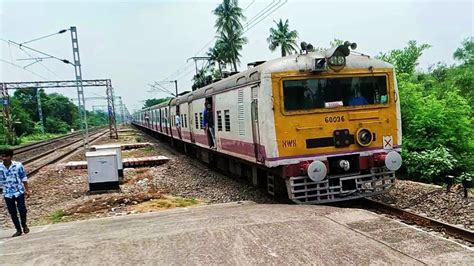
[
  {"x": 28, "y": 147},
  {"x": 413, "y": 218},
  {"x": 65, "y": 147},
  {"x": 26, "y": 153}
]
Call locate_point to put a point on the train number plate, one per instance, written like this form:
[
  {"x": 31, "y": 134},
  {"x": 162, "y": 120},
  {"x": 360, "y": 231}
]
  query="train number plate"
[{"x": 334, "y": 119}]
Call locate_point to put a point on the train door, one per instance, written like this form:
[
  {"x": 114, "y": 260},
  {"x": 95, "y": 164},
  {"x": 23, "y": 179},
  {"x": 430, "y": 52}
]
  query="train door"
[
  {"x": 178, "y": 121},
  {"x": 191, "y": 119},
  {"x": 166, "y": 120},
  {"x": 161, "y": 121},
  {"x": 211, "y": 120},
  {"x": 152, "y": 118},
  {"x": 259, "y": 156}
]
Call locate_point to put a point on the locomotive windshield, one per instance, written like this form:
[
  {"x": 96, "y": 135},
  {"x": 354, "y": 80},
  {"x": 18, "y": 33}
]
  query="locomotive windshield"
[{"x": 334, "y": 92}]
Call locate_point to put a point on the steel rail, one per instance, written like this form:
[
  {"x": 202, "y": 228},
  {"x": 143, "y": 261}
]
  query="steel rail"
[
  {"x": 38, "y": 144},
  {"x": 411, "y": 217},
  {"x": 71, "y": 145},
  {"x": 28, "y": 147}
]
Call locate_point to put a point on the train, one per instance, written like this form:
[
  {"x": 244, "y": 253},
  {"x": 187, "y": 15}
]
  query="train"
[{"x": 317, "y": 127}]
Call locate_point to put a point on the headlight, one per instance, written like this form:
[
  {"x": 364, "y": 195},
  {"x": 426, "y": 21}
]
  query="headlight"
[
  {"x": 337, "y": 60},
  {"x": 364, "y": 137}
]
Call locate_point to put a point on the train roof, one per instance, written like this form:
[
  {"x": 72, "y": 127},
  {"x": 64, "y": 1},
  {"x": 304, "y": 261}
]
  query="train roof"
[{"x": 296, "y": 62}]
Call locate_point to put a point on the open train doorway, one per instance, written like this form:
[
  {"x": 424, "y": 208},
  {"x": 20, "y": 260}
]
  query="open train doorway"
[{"x": 209, "y": 127}]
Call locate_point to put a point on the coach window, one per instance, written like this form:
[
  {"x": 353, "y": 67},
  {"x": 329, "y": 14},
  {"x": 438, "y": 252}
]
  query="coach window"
[
  {"x": 185, "y": 121},
  {"x": 196, "y": 120},
  {"x": 201, "y": 121},
  {"x": 227, "y": 120},
  {"x": 219, "y": 120},
  {"x": 334, "y": 92}
]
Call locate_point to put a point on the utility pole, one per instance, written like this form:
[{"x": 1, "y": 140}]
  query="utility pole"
[
  {"x": 40, "y": 110},
  {"x": 80, "y": 89},
  {"x": 197, "y": 58},
  {"x": 176, "y": 86},
  {"x": 121, "y": 110},
  {"x": 10, "y": 137}
]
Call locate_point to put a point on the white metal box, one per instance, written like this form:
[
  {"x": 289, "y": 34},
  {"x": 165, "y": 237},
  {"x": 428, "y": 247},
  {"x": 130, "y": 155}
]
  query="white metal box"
[
  {"x": 112, "y": 147},
  {"x": 103, "y": 170}
]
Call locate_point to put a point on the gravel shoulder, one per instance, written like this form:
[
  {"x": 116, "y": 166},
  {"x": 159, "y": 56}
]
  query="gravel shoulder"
[
  {"x": 433, "y": 201},
  {"x": 60, "y": 195}
]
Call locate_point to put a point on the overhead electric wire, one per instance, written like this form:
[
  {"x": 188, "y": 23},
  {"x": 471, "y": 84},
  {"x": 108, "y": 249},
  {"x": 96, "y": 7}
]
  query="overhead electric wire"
[
  {"x": 39, "y": 61},
  {"x": 251, "y": 3},
  {"x": 40, "y": 52},
  {"x": 40, "y": 38},
  {"x": 262, "y": 12},
  {"x": 160, "y": 89},
  {"x": 273, "y": 11},
  {"x": 20, "y": 67},
  {"x": 164, "y": 88},
  {"x": 255, "y": 20}
]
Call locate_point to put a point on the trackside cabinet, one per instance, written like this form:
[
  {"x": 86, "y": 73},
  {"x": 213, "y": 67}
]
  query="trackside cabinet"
[
  {"x": 103, "y": 170},
  {"x": 112, "y": 147}
]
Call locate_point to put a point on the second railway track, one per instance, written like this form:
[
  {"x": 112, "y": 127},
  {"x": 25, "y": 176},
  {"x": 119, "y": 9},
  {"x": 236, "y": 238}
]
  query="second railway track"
[{"x": 58, "y": 151}]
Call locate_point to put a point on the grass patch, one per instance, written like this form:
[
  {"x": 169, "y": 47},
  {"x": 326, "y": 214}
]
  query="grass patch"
[
  {"x": 38, "y": 137},
  {"x": 149, "y": 148},
  {"x": 167, "y": 202},
  {"x": 57, "y": 216}
]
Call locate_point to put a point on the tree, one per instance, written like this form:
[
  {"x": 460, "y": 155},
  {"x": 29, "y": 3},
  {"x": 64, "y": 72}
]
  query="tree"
[
  {"x": 230, "y": 30},
  {"x": 22, "y": 122},
  {"x": 436, "y": 114},
  {"x": 465, "y": 54},
  {"x": 97, "y": 118},
  {"x": 233, "y": 44},
  {"x": 217, "y": 55},
  {"x": 405, "y": 60},
  {"x": 282, "y": 37},
  {"x": 334, "y": 43},
  {"x": 27, "y": 99},
  {"x": 229, "y": 16},
  {"x": 201, "y": 79}
]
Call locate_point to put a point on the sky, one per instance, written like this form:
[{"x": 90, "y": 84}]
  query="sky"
[{"x": 135, "y": 43}]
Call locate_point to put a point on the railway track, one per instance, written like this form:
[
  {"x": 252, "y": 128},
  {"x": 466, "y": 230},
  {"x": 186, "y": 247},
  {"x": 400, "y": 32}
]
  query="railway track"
[
  {"x": 365, "y": 203},
  {"x": 60, "y": 150},
  {"x": 29, "y": 147},
  {"x": 29, "y": 152},
  {"x": 413, "y": 218}
]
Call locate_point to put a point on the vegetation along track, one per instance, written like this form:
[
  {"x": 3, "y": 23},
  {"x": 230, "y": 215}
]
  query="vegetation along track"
[
  {"x": 58, "y": 151},
  {"x": 413, "y": 218}
]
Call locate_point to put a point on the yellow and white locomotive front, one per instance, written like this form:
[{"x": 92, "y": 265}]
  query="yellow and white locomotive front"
[{"x": 337, "y": 125}]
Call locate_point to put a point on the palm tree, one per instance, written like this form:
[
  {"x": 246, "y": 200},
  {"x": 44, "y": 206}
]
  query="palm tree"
[
  {"x": 284, "y": 37},
  {"x": 230, "y": 30},
  {"x": 229, "y": 15},
  {"x": 232, "y": 45},
  {"x": 217, "y": 54}
]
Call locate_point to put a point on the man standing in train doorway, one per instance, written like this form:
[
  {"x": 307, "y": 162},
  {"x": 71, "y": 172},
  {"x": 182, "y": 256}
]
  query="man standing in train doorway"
[
  {"x": 15, "y": 189},
  {"x": 209, "y": 124}
]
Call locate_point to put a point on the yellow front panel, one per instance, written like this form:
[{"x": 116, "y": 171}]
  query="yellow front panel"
[{"x": 295, "y": 127}]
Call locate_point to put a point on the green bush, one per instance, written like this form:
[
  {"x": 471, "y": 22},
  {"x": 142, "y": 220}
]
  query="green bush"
[
  {"x": 54, "y": 125},
  {"x": 429, "y": 166}
]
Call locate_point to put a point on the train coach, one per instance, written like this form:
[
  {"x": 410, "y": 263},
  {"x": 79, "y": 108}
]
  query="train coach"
[{"x": 321, "y": 127}]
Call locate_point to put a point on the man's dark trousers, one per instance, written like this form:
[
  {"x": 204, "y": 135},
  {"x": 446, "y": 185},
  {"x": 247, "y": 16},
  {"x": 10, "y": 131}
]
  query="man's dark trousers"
[{"x": 12, "y": 205}]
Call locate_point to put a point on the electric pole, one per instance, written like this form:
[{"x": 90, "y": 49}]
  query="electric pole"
[
  {"x": 40, "y": 110},
  {"x": 80, "y": 89},
  {"x": 176, "y": 86}
]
